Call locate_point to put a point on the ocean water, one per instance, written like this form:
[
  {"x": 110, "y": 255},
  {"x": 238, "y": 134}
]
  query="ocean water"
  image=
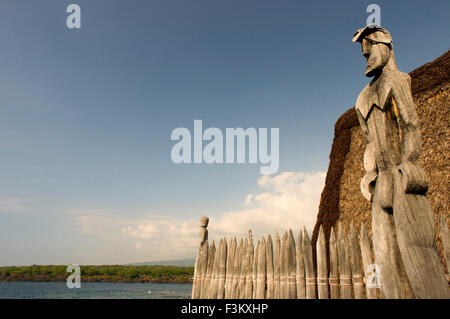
[{"x": 93, "y": 290}]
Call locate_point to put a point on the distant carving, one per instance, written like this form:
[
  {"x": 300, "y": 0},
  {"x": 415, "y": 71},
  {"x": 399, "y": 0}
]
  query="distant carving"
[
  {"x": 203, "y": 231},
  {"x": 395, "y": 183}
]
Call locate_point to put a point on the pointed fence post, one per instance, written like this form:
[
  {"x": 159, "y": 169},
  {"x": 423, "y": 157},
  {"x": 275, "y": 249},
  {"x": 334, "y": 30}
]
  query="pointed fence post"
[
  {"x": 195, "y": 279},
  {"x": 334, "y": 267},
  {"x": 344, "y": 265},
  {"x": 300, "y": 268},
  {"x": 229, "y": 270},
  {"x": 291, "y": 280},
  {"x": 249, "y": 276},
  {"x": 255, "y": 270},
  {"x": 236, "y": 270},
  {"x": 276, "y": 267},
  {"x": 269, "y": 262},
  {"x": 311, "y": 288},
  {"x": 197, "y": 284},
  {"x": 214, "y": 286},
  {"x": 222, "y": 269},
  {"x": 355, "y": 260},
  {"x": 366, "y": 256},
  {"x": 322, "y": 267},
  {"x": 284, "y": 267},
  {"x": 261, "y": 277},
  {"x": 209, "y": 269},
  {"x": 203, "y": 265},
  {"x": 243, "y": 270}
]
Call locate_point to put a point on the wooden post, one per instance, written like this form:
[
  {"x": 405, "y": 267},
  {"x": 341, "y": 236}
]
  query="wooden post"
[
  {"x": 222, "y": 269},
  {"x": 367, "y": 260},
  {"x": 311, "y": 292},
  {"x": 203, "y": 265},
  {"x": 322, "y": 267},
  {"x": 334, "y": 264},
  {"x": 255, "y": 270},
  {"x": 300, "y": 268},
  {"x": 243, "y": 270},
  {"x": 261, "y": 276},
  {"x": 276, "y": 267},
  {"x": 214, "y": 286},
  {"x": 291, "y": 282},
  {"x": 344, "y": 265},
  {"x": 248, "y": 276},
  {"x": 236, "y": 270},
  {"x": 269, "y": 262},
  {"x": 284, "y": 267},
  {"x": 355, "y": 259},
  {"x": 230, "y": 265},
  {"x": 195, "y": 279},
  {"x": 209, "y": 269},
  {"x": 196, "y": 286}
]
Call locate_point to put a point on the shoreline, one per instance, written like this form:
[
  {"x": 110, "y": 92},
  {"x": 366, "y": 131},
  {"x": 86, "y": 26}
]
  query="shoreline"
[
  {"x": 104, "y": 280},
  {"x": 105, "y": 273}
]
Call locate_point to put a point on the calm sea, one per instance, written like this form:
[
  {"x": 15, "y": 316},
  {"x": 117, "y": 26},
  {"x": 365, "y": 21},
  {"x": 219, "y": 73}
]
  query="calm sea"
[{"x": 94, "y": 290}]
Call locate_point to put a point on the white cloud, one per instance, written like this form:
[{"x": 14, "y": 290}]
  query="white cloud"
[
  {"x": 287, "y": 200},
  {"x": 13, "y": 205},
  {"x": 99, "y": 222},
  {"x": 290, "y": 200}
]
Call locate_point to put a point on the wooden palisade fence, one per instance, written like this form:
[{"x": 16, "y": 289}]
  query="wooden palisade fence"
[{"x": 282, "y": 268}]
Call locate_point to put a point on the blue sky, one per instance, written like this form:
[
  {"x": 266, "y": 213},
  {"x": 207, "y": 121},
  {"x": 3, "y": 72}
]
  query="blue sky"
[{"x": 86, "y": 116}]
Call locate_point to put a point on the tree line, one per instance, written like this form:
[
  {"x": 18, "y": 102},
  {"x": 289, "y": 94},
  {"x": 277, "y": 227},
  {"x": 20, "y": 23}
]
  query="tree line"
[{"x": 105, "y": 273}]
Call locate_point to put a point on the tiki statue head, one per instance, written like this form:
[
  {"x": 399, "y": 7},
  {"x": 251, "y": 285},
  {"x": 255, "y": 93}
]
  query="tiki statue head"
[{"x": 376, "y": 45}]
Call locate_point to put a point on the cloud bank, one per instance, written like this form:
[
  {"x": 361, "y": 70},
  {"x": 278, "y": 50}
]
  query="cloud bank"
[{"x": 287, "y": 200}]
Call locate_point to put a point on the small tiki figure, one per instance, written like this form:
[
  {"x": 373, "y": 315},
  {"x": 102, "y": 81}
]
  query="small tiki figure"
[
  {"x": 203, "y": 231},
  {"x": 395, "y": 183}
]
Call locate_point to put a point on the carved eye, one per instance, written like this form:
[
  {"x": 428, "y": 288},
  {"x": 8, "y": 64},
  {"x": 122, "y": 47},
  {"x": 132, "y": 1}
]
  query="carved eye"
[{"x": 366, "y": 47}]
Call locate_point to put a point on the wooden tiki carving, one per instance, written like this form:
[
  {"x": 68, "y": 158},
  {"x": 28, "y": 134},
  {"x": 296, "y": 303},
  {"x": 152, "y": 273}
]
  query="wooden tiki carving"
[
  {"x": 203, "y": 231},
  {"x": 395, "y": 183}
]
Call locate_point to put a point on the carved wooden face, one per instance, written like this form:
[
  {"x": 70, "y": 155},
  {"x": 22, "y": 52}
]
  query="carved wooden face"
[{"x": 377, "y": 55}]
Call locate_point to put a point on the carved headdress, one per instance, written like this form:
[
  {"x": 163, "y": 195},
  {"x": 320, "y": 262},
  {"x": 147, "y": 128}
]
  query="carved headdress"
[{"x": 374, "y": 33}]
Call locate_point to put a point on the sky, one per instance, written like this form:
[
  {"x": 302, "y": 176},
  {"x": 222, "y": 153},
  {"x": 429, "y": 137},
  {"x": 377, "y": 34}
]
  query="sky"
[{"x": 86, "y": 116}]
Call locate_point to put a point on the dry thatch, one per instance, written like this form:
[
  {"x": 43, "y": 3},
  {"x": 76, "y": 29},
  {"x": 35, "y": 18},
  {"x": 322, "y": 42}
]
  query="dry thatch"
[{"x": 341, "y": 198}]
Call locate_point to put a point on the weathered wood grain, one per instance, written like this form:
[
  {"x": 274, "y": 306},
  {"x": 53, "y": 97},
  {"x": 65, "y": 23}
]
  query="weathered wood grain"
[
  {"x": 230, "y": 265},
  {"x": 334, "y": 267},
  {"x": 243, "y": 270},
  {"x": 284, "y": 270},
  {"x": 345, "y": 279},
  {"x": 371, "y": 292},
  {"x": 300, "y": 268},
  {"x": 249, "y": 276},
  {"x": 311, "y": 285},
  {"x": 261, "y": 276},
  {"x": 291, "y": 280},
  {"x": 209, "y": 269},
  {"x": 236, "y": 270},
  {"x": 222, "y": 269},
  {"x": 255, "y": 270},
  {"x": 395, "y": 183},
  {"x": 355, "y": 262},
  {"x": 269, "y": 262},
  {"x": 322, "y": 267},
  {"x": 213, "y": 287},
  {"x": 276, "y": 267}
]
